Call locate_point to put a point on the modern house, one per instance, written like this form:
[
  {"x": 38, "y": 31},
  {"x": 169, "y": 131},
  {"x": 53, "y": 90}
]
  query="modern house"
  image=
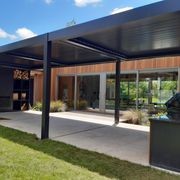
[
  {"x": 126, "y": 60},
  {"x": 130, "y": 59},
  {"x": 144, "y": 83},
  {"x": 16, "y": 90}
]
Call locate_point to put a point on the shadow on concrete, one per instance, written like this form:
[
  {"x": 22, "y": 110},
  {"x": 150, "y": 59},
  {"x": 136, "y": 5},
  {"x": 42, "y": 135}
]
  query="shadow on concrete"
[{"x": 114, "y": 141}]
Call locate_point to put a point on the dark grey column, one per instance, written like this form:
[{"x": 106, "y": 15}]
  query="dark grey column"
[
  {"x": 137, "y": 89},
  {"x": 75, "y": 92},
  {"x": 178, "y": 87},
  {"x": 117, "y": 92},
  {"x": 46, "y": 89},
  {"x": 29, "y": 93}
]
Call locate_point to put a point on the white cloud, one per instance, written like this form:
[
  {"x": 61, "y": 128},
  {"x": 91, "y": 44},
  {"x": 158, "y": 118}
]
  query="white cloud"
[
  {"x": 83, "y": 3},
  {"x": 48, "y": 1},
  {"x": 119, "y": 10},
  {"x": 24, "y": 33},
  {"x": 5, "y": 35},
  {"x": 21, "y": 33}
]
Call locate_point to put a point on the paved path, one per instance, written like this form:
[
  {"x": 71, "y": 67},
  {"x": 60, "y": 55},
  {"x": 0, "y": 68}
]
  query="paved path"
[{"x": 88, "y": 131}]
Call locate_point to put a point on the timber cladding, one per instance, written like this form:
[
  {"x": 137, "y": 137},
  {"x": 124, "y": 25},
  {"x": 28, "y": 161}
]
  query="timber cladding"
[
  {"x": 154, "y": 63},
  {"x": 165, "y": 62}
]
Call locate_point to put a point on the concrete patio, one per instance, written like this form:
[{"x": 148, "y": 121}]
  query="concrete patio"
[{"x": 90, "y": 131}]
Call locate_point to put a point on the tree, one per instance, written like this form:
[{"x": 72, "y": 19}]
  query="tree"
[{"x": 71, "y": 23}]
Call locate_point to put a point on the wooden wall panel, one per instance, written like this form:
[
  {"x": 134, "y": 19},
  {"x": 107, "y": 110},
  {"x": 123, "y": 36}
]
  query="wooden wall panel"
[
  {"x": 66, "y": 82},
  {"x": 154, "y": 63},
  {"x": 166, "y": 62},
  {"x": 38, "y": 87}
]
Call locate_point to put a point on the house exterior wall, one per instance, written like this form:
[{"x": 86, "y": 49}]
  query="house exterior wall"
[
  {"x": 137, "y": 65},
  {"x": 6, "y": 89},
  {"x": 66, "y": 87}
]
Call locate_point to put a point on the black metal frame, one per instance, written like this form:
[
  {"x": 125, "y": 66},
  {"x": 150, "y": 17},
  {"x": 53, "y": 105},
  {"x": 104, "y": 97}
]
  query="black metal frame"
[
  {"x": 117, "y": 92},
  {"x": 152, "y": 10},
  {"x": 46, "y": 88},
  {"x": 77, "y": 35},
  {"x": 97, "y": 48}
]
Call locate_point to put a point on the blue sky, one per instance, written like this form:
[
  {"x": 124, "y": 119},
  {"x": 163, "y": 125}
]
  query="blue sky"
[{"x": 20, "y": 19}]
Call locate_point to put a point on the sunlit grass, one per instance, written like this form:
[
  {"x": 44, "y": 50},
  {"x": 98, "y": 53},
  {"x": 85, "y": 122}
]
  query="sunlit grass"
[{"x": 23, "y": 156}]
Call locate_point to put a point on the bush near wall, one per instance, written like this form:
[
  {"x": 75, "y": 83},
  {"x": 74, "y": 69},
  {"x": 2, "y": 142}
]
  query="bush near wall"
[
  {"x": 135, "y": 116},
  {"x": 55, "y": 106},
  {"x": 37, "y": 106}
]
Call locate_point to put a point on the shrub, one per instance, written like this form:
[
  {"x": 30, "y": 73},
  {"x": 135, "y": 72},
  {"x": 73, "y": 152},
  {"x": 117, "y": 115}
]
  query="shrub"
[
  {"x": 135, "y": 116},
  {"x": 55, "y": 106},
  {"x": 37, "y": 106},
  {"x": 82, "y": 105}
]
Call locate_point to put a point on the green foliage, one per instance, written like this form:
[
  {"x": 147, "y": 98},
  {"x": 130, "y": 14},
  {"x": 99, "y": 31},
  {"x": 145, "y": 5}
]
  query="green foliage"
[
  {"x": 169, "y": 85},
  {"x": 125, "y": 92},
  {"x": 143, "y": 89},
  {"x": 55, "y": 106},
  {"x": 23, "y": 156},
  {"x": 37, "y": 106},
  {"x": 21, "y": 160}
]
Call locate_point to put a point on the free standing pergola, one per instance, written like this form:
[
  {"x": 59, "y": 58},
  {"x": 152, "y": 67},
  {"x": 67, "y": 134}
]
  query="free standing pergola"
[{"x": 149, "y": 31}]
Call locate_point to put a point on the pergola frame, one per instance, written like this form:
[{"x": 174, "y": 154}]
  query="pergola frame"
[
  {"x": 46, "y": 88},
  {"x": 143, "y": 32}
]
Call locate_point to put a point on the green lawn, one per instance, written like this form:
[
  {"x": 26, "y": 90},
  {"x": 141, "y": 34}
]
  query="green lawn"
[{"x": 23, "y": 156}]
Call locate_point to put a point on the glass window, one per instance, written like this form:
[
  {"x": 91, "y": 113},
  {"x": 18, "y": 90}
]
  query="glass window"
[
  {"x": 127, "y": 91},
  {"x": 156, "y": 88},
  {"x": 88, "y": 90}
]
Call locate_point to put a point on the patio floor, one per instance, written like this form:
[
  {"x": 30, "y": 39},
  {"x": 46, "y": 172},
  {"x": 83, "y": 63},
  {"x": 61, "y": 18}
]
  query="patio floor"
[{"x": 90, "y": 131}]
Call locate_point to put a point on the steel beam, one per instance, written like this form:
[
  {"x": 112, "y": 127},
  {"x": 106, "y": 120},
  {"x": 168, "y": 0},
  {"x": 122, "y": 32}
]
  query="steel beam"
[
  {"x": 86, "y": 44},
  {"x": 117, "y": 92},
  {"x": 37, "y": 40},
  {"x": 30, "y": 57},
  {"x": 14, "y": 66},
  {"x": 46, "y": 88}
]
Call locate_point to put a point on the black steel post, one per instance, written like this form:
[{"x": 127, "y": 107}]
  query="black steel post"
[
  {"x": 46, "y": 89},
  {"x": 29, "y": 93},
  {"x": 117, "y": 92}
]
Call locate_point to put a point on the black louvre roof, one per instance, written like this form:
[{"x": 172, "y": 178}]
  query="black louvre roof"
[{"x": 149, "y": 31}]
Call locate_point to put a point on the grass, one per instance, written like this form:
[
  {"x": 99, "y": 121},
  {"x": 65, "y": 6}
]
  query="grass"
[{"x": 23, "y": 156}]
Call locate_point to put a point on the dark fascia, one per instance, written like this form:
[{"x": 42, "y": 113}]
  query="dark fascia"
[
  {"x": 30, "y": 57},
  {"x": 157, "y": 53},
  {"x": 116, "y": 20},
  {"x": 37, "y": 40},
  {"x": 102, "y": 24},
  {"x": 14, "y": 66},
  {"x": 85, "y": 63}
]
